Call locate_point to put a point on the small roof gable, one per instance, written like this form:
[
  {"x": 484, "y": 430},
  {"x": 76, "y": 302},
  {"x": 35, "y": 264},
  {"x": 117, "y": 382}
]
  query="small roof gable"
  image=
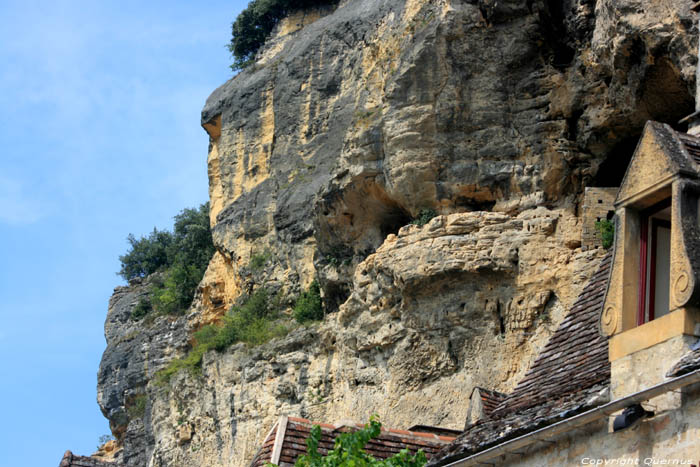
[
  {"x": 491, "y": 399},
  {"x": 481, "y": 403},
  {"x": 287, "y": 441},
  {"x": 661, "y": 154},
  {"x": 567, "y": 378}
]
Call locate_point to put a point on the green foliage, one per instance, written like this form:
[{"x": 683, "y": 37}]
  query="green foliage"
[
  {"x": 137, "y": 407},
  {"x": 254, "y": 24},
  {"x": 308, "y": 306},
  {"x": 424, "y": 217},
  {"x": 142, "y": 308},
  {"x": 182, "y": 256},
  {"x": 146, "y": 255},
  {"x": 253, "y": 322},
  {"x": 174, "y": 294},
  {"x": 348, "y": 451},
  {"x": 607, "y": 232},
  {"x": 338, "y": 255},
  {"x": 258, "y": 260}
]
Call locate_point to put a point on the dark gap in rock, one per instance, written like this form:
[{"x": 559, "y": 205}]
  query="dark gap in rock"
[
  {"x": 613, "y": 168},
  {"x": 484, "y": 14},
  {"x": 528, "y": 3},
  {"x": 335, "y": 294},
  {"x": 665, "y": 96},
  {"x": 554, "y": 31},
  {"x": 501, "y": 322},
  {"x": 637, "y": 51},
  {"x": 572, "y": 124},
  {"x": 393, "y": 220},
  {"x": 471, "y": 204}
]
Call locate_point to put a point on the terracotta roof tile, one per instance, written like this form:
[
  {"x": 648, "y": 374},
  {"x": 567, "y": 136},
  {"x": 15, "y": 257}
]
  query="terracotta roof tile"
[
  {"x": 490, "y": 399},
  {"x": 295, "y": 431},
  {"x": 691, "y": 144},
  {"x": 566, "y": 377}
]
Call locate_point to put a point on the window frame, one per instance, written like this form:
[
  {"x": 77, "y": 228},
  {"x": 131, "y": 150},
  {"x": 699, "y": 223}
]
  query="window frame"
[{"x": 647, "y": 259}]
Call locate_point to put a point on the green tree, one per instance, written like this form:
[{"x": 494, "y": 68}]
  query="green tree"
[
  {"x": 181, "y": 256},
  {"x": 253, "y": 25},
  {"x": 348, "y": 451},
  {"x": 146, "y": 255}
]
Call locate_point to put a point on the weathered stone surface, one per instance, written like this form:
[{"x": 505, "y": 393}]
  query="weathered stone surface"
[
  {"x": 136, "y": 350},
  {"x": 429, "y": 312},
  {"x": 493, "y": 114}
]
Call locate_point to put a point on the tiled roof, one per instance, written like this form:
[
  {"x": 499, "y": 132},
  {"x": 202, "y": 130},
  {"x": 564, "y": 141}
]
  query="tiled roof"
[
  {"x": 287, "y": 441},
  {"x": 71, "y": 460},
  {"x": 691, "y": 144},
  {"x": 568, "y": 377},
  {"x": 689, "y": 362},
  {"x": 491, "y": 399}
]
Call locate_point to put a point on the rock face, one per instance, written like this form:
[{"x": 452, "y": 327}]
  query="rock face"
[
  {"x": 353, "y": 122},
  {"x": 135, "y": 351}
]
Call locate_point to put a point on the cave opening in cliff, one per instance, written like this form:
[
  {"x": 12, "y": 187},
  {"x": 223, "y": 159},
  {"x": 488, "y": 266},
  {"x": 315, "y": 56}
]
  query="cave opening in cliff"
[
  {"x": 392, "y": 220},
  {"x": 357, "y": 219},
  {"x": 553, "y": 27},
  {"x": 612, "y": 169},
  {"x": 663, "y": 97}
]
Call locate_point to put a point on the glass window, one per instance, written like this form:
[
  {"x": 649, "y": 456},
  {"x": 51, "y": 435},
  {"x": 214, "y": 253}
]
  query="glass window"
[{"x": 655, "y": 262}]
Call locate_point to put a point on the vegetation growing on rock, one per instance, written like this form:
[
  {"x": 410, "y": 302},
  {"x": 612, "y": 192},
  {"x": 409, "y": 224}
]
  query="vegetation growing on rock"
[
  {"x": 424, "y": 216},
  {"x": 308, "y": 306},
  {"x": 142, "y": 308},
  {"x": 258, "y": 260},
  {"x": 254, "y": 322},
  {"x": 607, "y": 232},
  {"x": 181, "y": 256},
  {"x": 253, "y": 26}
]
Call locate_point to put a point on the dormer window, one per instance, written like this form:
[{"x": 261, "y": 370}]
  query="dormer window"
[
  {"x": 653, "y": 295},
  {"x": 655, "y": 262}
]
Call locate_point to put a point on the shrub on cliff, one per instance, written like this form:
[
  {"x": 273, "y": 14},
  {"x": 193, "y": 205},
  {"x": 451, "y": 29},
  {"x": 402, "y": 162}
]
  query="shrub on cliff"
[
  {"x": 424, "y": 216},
  {"x": 181, "y": 255},
  {"x": 308, "y": 306},
  {"x": 254, "y": 322},
  {"x": 253, "y": 25},
  {"x": 607, "y": 232}
]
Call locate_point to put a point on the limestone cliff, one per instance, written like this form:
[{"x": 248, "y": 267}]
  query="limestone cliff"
[{"x": 352, "y": 122}]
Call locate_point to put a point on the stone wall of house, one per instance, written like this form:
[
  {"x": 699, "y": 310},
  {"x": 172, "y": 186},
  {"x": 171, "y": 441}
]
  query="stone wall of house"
[
  {"x": 670, "y": 437},
  {"x": 597, "y": 206}
]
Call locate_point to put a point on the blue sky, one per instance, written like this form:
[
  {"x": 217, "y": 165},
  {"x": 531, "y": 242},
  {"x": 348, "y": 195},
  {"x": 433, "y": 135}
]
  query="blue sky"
[{"x": 99, "y": 137}]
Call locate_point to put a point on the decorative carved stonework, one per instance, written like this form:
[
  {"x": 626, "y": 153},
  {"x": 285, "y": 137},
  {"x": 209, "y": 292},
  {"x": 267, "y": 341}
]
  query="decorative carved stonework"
[
  {"x": 685, "y": 267},
  {"x": 608, "y": 320},
  {"x": 663, "y": 166}
]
